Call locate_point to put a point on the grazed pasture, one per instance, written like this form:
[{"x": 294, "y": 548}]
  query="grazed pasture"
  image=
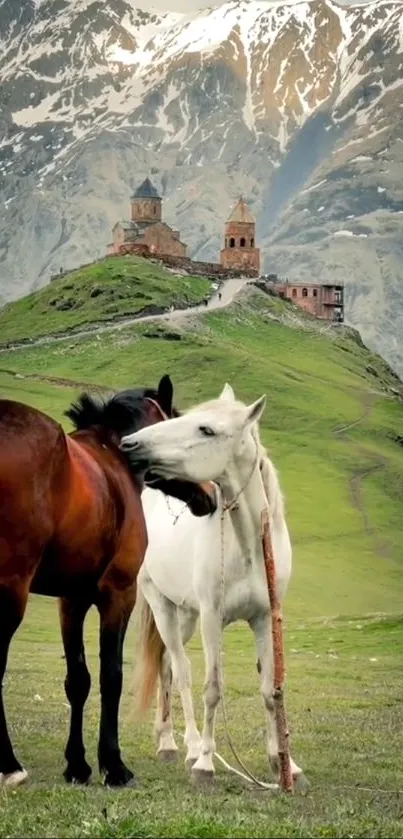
[{"x": 345, "y": 709}]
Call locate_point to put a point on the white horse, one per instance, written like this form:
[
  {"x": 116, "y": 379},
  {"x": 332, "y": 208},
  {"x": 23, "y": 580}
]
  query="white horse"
[{"x": 209, "y": 567}]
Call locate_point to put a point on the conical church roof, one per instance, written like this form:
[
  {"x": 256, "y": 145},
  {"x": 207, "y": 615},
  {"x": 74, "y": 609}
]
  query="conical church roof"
[
  {"x": 146, "y": 190},
  {"x": 241, "y": 213}
]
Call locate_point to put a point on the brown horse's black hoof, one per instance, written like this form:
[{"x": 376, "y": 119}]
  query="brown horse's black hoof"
[
  {"x": 120, "y": 777},
  {"x": 79, "y": 773}
]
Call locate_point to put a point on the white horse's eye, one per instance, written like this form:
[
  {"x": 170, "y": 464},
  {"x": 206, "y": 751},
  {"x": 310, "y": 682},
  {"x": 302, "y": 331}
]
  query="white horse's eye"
[{"x": 206, "y": 430}]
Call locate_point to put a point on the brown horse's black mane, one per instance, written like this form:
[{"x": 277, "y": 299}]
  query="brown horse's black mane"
[{"x": 123, "y": 412}]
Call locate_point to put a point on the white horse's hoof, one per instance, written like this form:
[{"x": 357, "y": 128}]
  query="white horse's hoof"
[
  {"x": 14, "y": 779},
  {"x": 167, "y": 755},
  {"x": 301, "y": 783},
  {"x": 190, "y": 762},
  {"x": 203, "y": 778}
]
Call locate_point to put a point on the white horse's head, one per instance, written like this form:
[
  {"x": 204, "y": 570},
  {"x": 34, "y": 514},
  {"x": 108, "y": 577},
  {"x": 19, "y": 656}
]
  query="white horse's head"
[{"x": 201, "y": 444}]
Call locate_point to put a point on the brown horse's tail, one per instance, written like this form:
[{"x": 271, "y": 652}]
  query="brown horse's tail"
[{"x": 151, "y": 652}]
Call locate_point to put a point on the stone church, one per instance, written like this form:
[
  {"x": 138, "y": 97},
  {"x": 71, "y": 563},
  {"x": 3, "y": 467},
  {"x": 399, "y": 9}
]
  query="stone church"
[{"x": 146, "y": 230}]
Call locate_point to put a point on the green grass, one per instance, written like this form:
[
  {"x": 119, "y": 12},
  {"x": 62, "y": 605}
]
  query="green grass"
[
  {"x": 45, "y": 397},
  {"x": 344, "y": 633},
  {"x": 344, "y": 709},
  {"x": 314, "y": 386},
  {"x": 113, "y": 288}
]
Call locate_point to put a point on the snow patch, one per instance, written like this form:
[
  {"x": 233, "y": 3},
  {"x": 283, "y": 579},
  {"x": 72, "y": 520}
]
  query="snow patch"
[
  {"x": 349, "y": 234},
  {"x": 118, "y": 55},
  {"x": 37, "y": 113},
  {"x": 315, "y": 186}
]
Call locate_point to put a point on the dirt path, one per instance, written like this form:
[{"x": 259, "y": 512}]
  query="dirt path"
[
  {"x": 57, "y": 381},
  {"x": 223, "y": 297},
  {"x": 368, "y": 401},
  {"x": 382, "y": 549}
]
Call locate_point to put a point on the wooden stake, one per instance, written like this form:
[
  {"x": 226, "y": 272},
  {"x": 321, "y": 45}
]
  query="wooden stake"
[{"x": 286, "y": 779}]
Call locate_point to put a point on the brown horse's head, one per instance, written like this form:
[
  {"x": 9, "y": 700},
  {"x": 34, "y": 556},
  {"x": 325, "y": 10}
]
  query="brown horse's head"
[{"x": 127, "y": 412}]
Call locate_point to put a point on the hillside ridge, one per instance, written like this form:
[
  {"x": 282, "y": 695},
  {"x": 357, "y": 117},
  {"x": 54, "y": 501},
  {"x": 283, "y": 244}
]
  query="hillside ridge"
[{"x": 179, "y": 299}]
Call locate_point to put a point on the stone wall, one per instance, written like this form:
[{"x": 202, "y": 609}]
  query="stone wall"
[
  {"x": 137, "y": 248},
  {"x": 160, "y": 240},
  {"x": 203, "y": 269}
]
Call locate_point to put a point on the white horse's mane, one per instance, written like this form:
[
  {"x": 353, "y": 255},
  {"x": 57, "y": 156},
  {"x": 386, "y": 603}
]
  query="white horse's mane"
[
  {"x": 215, "y": 404},
  {"x": 270, "y": 479}
]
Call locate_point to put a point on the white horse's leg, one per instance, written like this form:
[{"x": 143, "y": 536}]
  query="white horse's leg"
[
  {"x": 166, "y": 745},
  {"x": 167, "y": 621},
  {"x": 210, "y": 626},
  {"x": 261, "y": 626},
  {"x": 187, "y": 625},
  {"x": 167, "y": 749}
]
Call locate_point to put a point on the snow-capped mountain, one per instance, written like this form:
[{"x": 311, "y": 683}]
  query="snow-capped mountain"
[{"x": 298, "y": 105}]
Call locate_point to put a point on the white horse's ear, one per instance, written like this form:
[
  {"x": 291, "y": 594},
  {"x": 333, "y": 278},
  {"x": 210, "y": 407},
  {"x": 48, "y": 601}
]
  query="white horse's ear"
[
  {"x": 227, "y": 394},
  {"x": 255, "y": 411}
]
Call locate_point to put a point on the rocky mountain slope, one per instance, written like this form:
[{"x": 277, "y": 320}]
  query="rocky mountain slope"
[{"x": 298, "y": 105}]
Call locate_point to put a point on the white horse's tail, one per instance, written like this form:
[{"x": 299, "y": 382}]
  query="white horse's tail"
[{"x": 151, "y": 652}]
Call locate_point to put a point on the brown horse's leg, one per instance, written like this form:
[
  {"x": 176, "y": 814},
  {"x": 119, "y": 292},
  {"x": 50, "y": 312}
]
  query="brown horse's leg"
[
  {"x": 115, "y": 608},
  {"x": 77, "y": 685},
  {"x": 12, "y": 607}
]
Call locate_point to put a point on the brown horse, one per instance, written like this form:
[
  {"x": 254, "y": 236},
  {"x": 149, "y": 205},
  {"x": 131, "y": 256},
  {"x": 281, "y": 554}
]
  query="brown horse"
[{"x": 72, "y": 527}]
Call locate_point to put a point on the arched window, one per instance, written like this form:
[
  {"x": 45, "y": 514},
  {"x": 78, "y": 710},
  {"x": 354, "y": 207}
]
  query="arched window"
[
  {"x": 295, "y": 292},
  {"x": 232, "y": 242},
  {"x": 242, "y": 242},
  {"x": 155, "y": 209},
  {"x": 315, "y": 292},
  {"x": 252, "y": 243},
  {"x": 305, "y": 292}
]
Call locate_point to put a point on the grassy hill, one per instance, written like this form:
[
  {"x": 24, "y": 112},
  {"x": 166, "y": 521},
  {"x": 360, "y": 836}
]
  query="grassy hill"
[
  {"x": 113, "y": 288},
  {"x": 334, "y": 428},
  {"x": 315, "y": 386}
]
